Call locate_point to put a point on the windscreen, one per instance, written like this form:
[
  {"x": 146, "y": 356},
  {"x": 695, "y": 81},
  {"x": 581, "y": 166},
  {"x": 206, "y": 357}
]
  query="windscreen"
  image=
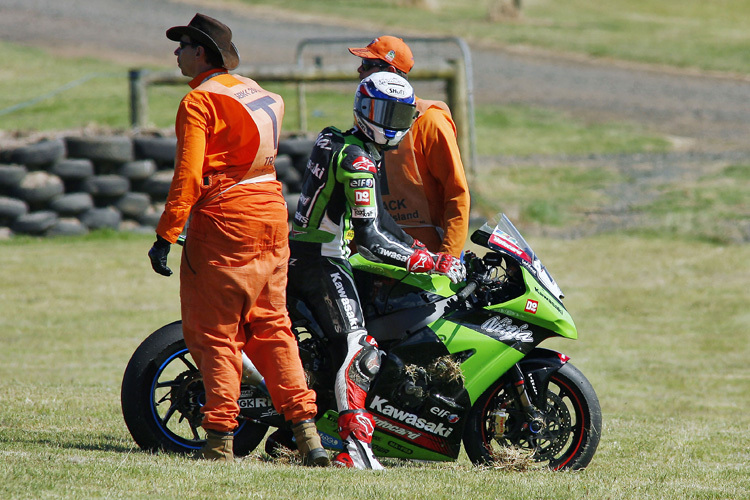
[{"x": 505, "y": 237}]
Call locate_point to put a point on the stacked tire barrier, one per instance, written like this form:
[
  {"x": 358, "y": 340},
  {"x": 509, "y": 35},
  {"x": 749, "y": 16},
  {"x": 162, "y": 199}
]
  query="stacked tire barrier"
[{"x": 73, "y": 185}]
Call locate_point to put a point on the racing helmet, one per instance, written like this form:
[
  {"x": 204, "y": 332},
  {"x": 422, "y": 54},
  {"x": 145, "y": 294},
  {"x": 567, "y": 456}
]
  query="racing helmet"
[{"x": 384, "y": 108}]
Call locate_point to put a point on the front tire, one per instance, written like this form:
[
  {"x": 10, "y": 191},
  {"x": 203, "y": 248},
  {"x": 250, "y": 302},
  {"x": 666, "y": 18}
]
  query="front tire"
[
  {"x": 572, "y": 422},
  {"x": 162, "y": 393}
]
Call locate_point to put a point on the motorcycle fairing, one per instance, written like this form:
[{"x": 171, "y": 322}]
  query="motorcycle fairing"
[
  {"x": 539, "y": 307},
  {"x": 328, "y": 429},
  {"x": 504, "y": 326},
  {"x": 490, "y": 359},
  {"x": 417, "y": 417},
  {"x": 521, "y": 322},
  {"x": 502, "y": 334},
  {"x": 388, "y": 444}
]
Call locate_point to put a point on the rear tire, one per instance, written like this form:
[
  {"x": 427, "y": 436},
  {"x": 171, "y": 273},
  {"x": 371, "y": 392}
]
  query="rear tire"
[
  {"x": 162, "y": 393},
  {"x": 572, "y": 416}
]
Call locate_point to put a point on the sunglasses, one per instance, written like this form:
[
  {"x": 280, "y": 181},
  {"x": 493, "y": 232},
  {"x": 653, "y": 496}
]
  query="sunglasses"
[
  {"x": 368, "y": 64},
  {"x": 188, "y": 44}
]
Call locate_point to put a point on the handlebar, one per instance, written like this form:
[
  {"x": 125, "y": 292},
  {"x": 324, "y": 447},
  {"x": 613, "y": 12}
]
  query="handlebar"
[{"x": 464, "y": 293}]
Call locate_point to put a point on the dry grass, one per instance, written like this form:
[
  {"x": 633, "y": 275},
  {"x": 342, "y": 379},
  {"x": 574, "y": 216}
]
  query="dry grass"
[{"x": 512, "y": 459}]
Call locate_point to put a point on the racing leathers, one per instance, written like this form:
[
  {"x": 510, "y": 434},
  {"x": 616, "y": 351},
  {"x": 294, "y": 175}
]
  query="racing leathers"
[{"x": 340, "y": 202}]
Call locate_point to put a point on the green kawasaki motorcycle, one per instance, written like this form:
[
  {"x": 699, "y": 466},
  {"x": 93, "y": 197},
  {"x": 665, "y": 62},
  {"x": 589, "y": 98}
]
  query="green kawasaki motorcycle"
[{"x": 460, "y": 364}]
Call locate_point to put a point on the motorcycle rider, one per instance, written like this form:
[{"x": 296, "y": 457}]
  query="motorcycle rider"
[{"x": 341, "y": 202}]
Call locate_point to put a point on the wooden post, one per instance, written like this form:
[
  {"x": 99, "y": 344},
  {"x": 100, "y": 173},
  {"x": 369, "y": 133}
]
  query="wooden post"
[
  {"x": 138, "y": 99},
  {"x": 458, "y": 103},
  {"x": 301, "y": 107}
]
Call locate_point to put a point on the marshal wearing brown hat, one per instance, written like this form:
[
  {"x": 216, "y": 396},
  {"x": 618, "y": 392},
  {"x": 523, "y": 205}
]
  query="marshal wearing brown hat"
[
  {"x": 227, "y": 130},
  {"x": 214, "y": 35}
]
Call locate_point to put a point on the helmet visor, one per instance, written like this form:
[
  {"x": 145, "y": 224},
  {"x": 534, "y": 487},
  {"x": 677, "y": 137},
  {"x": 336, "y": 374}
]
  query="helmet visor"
[{"x": 385, "y": 113}]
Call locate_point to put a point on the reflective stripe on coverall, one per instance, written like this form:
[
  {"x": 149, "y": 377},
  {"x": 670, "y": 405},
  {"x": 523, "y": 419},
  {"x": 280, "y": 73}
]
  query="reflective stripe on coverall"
[
  {"x": 233, "y": 270},
  {"x": 426, "y": 191}
]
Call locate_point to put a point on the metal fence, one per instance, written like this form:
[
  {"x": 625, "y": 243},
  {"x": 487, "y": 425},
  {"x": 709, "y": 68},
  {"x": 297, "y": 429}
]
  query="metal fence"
[{"x": 444, "y": 61}]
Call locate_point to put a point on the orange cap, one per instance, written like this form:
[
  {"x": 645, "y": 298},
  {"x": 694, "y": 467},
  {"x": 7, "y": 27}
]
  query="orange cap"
[{"x": 390, "y": 49}]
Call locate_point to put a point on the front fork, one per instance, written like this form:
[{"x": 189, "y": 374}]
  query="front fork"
[
  {"x": 526, "y": 393},
  {"x": 534, "y": 416}
]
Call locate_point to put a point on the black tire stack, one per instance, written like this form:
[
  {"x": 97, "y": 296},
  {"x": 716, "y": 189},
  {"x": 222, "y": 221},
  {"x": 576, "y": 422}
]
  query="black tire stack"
[{"x": 73, "y": 185}]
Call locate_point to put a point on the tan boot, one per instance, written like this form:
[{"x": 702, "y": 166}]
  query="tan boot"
[
  {"x": 308, "y": 443},
  {"x": 219, "y": 447}
]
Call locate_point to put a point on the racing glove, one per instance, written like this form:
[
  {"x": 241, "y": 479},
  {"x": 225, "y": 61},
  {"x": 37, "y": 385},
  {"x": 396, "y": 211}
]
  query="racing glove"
[
  {"x": 422, "y": 261},
  {"x": 418, "y": 245},
  {"x": 158, "y": 256}
]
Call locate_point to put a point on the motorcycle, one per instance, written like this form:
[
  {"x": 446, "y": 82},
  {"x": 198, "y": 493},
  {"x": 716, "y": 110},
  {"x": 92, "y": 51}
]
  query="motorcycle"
[{"x": 460, "y": 363}]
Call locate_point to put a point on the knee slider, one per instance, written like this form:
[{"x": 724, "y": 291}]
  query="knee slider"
[
  {"x": 364, "y": 362},
  {"x": 368, "y": 358}
]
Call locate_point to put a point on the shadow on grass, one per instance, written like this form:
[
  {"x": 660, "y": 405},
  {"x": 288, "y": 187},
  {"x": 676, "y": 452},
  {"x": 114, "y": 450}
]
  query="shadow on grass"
[{"x": 106, "y": 443}]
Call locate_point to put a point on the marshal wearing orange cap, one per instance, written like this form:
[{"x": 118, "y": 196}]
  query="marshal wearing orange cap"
[
  {"x": 424, "y": 187},
  {"x": 388, "y": 49}
]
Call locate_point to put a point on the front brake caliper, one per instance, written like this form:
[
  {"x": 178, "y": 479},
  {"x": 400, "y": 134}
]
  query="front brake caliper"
[{"x": 498, "y": 419}]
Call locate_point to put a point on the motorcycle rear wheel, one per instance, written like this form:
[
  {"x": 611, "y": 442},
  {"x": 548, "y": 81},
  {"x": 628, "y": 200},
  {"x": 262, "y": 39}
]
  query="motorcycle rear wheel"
[
  {"x": 573, "y": 423},
  {"x": 162, "y": 393}
]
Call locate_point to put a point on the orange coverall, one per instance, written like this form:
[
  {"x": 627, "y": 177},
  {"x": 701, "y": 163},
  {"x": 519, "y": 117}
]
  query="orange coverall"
[
  {"x": 427, "y": 193},
  {"x": 233, "y": 272}
]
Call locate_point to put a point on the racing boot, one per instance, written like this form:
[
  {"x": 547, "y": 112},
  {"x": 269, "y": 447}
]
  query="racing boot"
[
  {"x": 219, "y": 447},
  {"x": 356, "y": 428},
  {"x": 308, "y": 443}
]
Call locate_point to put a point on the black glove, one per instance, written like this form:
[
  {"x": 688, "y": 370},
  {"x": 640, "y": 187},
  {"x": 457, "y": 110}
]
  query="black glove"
[{"x": 158, "y": 256}]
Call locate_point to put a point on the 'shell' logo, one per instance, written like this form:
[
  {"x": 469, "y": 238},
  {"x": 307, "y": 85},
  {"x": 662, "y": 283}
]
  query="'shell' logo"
[
  {"x": 362, "y": 196},
  {"x": 365, "y": 164},
  {"x": 531, "y": 306}
]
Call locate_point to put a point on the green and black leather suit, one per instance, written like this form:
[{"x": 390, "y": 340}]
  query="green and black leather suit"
[{"x": 340, "y": 202}]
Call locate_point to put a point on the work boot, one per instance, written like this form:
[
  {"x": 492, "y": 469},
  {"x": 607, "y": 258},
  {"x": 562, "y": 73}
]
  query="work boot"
[
  {"x": 219, "y": 446},
  {"x": 308, "y": 443}
]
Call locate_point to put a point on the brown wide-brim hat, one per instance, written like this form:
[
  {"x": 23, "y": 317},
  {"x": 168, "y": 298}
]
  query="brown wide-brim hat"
[{"x": 211, "y": 33}]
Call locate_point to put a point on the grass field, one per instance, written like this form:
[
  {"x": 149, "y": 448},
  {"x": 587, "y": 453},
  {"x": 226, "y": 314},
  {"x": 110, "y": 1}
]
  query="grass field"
[
  {"x": 662, "y": 309},
  {"x": 663, "y": 339},
  {"x": 708, "y": 35}
]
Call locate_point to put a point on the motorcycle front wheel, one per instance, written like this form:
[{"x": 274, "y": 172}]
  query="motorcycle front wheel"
[
  {"x": 162, "y": 394},
  {"x": 572, "y": 422}
]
